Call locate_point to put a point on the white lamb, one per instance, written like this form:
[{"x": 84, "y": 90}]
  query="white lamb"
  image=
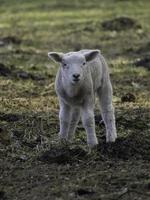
[{"x": 81, "y": 75}]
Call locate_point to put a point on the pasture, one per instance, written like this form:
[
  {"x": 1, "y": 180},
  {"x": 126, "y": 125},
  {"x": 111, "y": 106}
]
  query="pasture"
[{"x": 33, "y": 164}]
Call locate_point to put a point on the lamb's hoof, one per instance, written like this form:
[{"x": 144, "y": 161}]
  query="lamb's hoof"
[
  {"x": 111, "y": 138},
  {"x": 93, "y": 149},
  {"x": 92, "y": 145},
  {"x": 63, "y": 140}
]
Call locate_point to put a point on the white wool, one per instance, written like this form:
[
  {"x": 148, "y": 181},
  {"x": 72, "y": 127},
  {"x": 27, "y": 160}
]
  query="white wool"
[{"x": 81, "y": 76}]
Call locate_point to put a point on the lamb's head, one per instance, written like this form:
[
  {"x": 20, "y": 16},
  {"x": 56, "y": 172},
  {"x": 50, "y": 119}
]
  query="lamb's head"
[{"x": 73, "y": 64}]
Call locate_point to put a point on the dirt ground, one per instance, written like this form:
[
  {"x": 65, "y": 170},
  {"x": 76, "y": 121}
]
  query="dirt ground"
[
  {"x": 113, "y": 171},
  {"x": 34, "y": 165}
]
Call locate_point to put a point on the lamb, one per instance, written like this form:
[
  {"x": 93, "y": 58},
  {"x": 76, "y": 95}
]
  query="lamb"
[{"x": 80, "y": 77}]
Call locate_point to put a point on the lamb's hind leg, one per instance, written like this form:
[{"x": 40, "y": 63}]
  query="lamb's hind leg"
[
  {"x": 107, "y": 110},
  {"x": 75, "y": 117},
  {"x": 89, "y": 125}
]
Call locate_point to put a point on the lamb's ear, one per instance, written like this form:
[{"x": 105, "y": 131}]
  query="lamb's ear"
[
  {"x": 91, "y": 54},
  {"x": 57, "y": 57}
]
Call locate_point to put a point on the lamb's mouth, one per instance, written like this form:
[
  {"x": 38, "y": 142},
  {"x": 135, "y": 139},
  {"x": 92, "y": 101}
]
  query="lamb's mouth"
[{"x": 75, "y": 81}]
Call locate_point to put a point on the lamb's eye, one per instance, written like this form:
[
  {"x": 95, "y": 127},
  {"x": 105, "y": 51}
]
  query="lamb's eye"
[
  {"x": 84, "y": 63},
  {"x": 64, "y": 65}
]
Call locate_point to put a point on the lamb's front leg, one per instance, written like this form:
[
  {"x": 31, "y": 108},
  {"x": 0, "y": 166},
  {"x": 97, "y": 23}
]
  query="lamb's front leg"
[
  {"x": 107, "y": 109},
  {"x": 89, "y": 125},
  {"x": 64, "y": 118},
  {"x": 75, "y": 117}
]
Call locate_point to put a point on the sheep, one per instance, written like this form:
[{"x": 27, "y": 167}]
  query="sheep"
[{"x": 80, "y": 77}]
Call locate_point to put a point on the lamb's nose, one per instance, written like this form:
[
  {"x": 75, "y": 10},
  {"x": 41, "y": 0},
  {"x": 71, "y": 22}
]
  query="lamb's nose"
[{"x": 76, "y": 76}]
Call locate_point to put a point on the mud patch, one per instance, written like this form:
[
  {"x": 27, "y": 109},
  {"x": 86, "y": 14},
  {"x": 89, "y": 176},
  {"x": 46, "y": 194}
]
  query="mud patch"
[
  {"x": 129, "y": 97},
  {"x": 119, "y": 24},
  {"x": 143, "y": 62},
  {"x": 135, "y": 146},
  {"x": 26, "y": 75},
  {"x": 61, "y": 155},
  {"x": 4, "y": 71},
  {"x": 9, "y": 40},
  {"x": 83, "y": 191},
  {"x": 12, "y": 72},
  {"x": 9, "y": 117}
]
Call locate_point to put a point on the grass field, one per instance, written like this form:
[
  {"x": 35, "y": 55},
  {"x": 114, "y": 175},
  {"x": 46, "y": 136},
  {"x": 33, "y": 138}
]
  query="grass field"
[{"x": 33, "y": 164}]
